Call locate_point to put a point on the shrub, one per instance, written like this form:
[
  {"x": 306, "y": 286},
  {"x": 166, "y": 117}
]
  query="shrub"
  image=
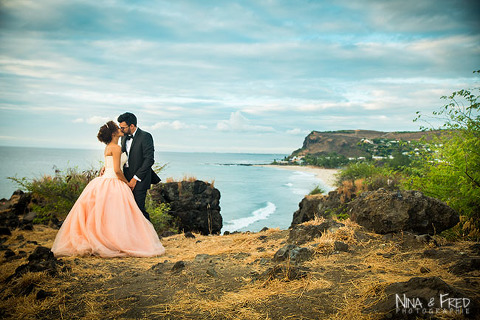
[
  {"x": 452, "y": 171},
  {"x": 317, "y": 190},
  {"x": 159, "y": 216},
  {"x": 55, "y": 196},
  {"x": 373, "y": 177}
]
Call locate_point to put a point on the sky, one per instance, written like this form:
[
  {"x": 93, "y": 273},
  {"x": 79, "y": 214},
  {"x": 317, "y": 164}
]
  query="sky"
[{"x": 228, "y": 76}]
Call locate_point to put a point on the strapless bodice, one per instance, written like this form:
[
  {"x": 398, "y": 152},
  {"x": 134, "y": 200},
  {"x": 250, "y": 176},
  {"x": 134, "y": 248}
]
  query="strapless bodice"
[{"x": 109, "y": 170}]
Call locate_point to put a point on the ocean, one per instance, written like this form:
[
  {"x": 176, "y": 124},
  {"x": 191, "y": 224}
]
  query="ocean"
[{"x": 252, "y": 197}]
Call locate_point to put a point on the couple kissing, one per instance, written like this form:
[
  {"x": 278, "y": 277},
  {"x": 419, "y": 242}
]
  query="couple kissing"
[{"x": 109, "y": 217}]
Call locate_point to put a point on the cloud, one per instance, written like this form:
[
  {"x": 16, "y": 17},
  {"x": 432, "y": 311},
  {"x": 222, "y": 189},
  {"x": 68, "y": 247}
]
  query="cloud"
[
  {"x": 233, "y": 66},
  {"x": 175, "y": 125},
  {"x": 93, "y": 120},
  {"x": 238, "y": 122},
  {"x": 297, "y": 131}
]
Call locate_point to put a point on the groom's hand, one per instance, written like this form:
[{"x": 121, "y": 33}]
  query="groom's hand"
[
  {"x": 132, "y": 183},
  {"x": 102, "y": 171}
]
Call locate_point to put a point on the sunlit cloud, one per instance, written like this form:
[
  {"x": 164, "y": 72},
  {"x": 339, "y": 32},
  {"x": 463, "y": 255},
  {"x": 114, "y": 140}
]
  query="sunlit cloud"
[
  {"x": 94, "y": 120},
  {"x": 175, "y": 125},
  {"x": 297, "y": 131},
  {"x": 238, "y": 122}
]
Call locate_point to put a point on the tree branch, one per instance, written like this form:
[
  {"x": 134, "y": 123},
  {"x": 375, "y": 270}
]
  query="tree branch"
[{"x": 466, "y": 173}]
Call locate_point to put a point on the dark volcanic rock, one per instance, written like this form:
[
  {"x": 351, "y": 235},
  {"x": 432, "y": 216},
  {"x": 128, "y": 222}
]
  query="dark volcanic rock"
[
  {"x": 303, "y": 233},
  {"x": 189, "y": 235},
  {"x": 316, "y": 206},
  {"x": 5, "y": 231},
  {"x": 340, "y": 246},
  {"x": 465, "y": 265},
  {"x": 11, "y": 209},
  {"x": 196, "y": 205},
  {"x": 167, "y": 234},
  {"x": 293, "y": 253},
  {"x": 385, "y": 211},
  {"x": 41, "y": 260},
  {"x": 415, "y": 298},
  {"x": 178, "y": 266},
  {"x": 212, "y": 272},
  {"x": 284, "y": 273},
  {"x": 29, "y": 217},
  {"x": 17, "y": 203},
  {"x": 42, "y": 294},
  {"x": 8, "y": 254}
]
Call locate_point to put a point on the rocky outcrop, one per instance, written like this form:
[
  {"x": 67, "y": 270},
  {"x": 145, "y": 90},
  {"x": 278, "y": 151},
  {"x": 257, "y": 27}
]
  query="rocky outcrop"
[
  {"x": 41, "y": 260},
  {"x": 423, "y": 298},
  {"x": 293, "y": 253},
  {"x": 318, "y": 205},
  {"x": 385, "y": 211},
  {"x": 196, "y": 204},
  {"x": 304, "y": 233},
  {"x": 13, "y": 210},
  {"x": 283, "y": 273}
]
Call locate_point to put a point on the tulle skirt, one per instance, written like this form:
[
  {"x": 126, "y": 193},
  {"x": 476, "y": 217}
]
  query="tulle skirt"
[{"x": 106, "y": 221}]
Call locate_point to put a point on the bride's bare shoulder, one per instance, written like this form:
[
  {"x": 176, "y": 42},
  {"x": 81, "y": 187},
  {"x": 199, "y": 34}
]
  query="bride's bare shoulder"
[{"x": 112, "y": 149}]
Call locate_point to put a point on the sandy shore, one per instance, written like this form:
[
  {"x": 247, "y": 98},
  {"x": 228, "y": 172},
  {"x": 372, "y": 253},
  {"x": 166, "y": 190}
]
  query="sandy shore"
[{"x": 326, "y": 175}]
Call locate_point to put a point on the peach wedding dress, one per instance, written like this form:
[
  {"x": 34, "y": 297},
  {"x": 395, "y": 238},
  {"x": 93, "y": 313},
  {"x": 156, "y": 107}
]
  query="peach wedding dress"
[{"x": 105, "y": 221}]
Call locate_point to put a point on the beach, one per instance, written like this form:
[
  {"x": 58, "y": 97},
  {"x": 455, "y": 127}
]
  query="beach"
[{"x": 326, "y": 175}]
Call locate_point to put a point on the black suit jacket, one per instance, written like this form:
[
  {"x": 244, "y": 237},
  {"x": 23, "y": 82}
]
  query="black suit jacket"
[{"x": 140, "y": 160}]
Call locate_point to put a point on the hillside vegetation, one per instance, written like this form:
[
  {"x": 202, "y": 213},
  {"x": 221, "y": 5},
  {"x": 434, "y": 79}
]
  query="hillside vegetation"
[{"x": 361, "y": 143}]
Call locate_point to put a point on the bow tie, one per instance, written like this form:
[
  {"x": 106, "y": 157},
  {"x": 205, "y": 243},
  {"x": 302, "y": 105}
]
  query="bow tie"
[{"x": 129, "y": 137}]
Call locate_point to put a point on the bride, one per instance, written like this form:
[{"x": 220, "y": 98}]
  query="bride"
[{"x": 105, "y": 221}]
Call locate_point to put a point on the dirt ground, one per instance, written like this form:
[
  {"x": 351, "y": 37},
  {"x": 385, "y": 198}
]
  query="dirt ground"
[{"x": 228, "y": 277}]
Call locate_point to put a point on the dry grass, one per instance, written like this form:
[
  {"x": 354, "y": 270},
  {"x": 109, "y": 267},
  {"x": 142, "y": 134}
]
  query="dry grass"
[
  {"x": 24, "y": 305},
  {"x": 348, "y": 188},
  {"x": 186, "y": 178},
  {"x": 241, "y": 304},
  {"x": 348, "y": 282},
  {"x": 181, "y": 248}
]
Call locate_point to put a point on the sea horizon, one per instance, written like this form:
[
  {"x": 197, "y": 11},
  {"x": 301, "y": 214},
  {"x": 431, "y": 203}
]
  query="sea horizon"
[{"x": 156, "y": 150}]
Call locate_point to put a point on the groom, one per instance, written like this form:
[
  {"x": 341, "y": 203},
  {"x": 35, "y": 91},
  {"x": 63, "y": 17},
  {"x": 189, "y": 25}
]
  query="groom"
[{"x": 138, "y": 145}]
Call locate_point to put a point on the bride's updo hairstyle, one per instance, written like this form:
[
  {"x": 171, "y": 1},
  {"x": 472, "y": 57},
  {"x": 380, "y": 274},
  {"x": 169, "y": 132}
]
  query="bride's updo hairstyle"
[{"x": 106, "y": 131}]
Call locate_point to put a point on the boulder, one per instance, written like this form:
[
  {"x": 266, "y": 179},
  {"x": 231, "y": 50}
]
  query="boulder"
[
  {"x": 385, "y": 211},
  {"x": 303, "y": 233},
  {"x": 178, "y": 266},
  {"x": 195, "y": 204},
  {"x": 465, "y": 265},
  {"x": 283, "y": 273},
  {"x": 11, "y": 209},
  {"x": 293, "y": 253},
  {"x": 41, "y": 260},
  {"x": 318, "y": 205},
  {"x": 340, "y": 246},
  {"x": 18, "y": 202},
  {"x": 424, "y": 298},
  {"x": 5, "y": 231}
]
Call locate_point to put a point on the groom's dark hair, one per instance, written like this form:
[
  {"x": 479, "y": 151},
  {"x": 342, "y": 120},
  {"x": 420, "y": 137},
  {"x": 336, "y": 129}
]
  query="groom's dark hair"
[{"x": 129, "y": 118}]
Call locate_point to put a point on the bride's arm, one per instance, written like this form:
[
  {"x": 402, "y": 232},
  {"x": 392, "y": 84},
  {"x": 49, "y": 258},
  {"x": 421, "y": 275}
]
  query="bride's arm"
[{"x": 117, "y": 153}]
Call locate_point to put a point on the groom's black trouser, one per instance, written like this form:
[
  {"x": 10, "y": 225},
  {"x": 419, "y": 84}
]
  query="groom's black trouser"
[{"x": 140, "y": 196}]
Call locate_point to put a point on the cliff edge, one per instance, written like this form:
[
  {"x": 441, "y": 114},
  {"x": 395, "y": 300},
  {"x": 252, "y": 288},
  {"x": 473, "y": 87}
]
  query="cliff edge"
[{"x": 349, "y": 142}]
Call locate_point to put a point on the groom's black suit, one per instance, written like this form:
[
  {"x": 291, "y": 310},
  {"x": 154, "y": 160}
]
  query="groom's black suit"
[{"x": 140, "y": 161}]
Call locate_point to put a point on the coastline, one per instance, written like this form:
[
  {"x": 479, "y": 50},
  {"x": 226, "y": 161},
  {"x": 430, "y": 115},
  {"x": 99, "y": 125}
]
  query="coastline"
[{"x": 326, "y": 175}]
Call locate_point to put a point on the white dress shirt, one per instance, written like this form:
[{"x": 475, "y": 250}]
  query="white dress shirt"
[{"x": 128, "y": 146}]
